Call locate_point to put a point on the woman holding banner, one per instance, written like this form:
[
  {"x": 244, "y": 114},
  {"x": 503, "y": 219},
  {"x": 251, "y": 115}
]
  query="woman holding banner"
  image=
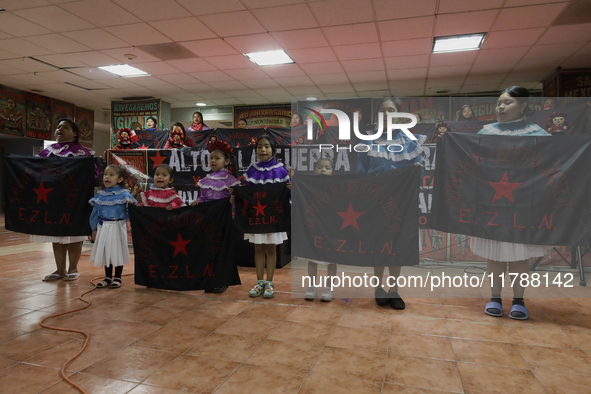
[
  {"x": 376, "y": 161},
  {"x": 512, "y": 106},
  {"x": 66, "y": 134}
]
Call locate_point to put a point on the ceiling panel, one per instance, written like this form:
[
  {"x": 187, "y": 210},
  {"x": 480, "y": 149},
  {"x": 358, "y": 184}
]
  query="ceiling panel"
[
  {"x": 286, "y": 17},
  {"x": 363, "y": 65},
  {"x": 408, "y": 73},
  {"x": 310, "y": 38},
  {"x": 192, "y": 29},
  {"x": 226, "y": 25},
  {"x": 464, "y": 23},
  {"x": 553, "y": 50},
  {"x": 191, "y": 65},
  {"x": 420, "y": 46},
  {"x": 96, "y": 39},
  {"x": 405, "y": 29},
  {"x": 312, "y": 55},
  {"x": 526, "y": 17},
  {"x": 566, "y": 34},
  {"x": 153, "y": 10},
  {"x": 100, "y": 12},
  {"x": 54, "y": 19},
  {"x": 367, "y": 76},
  {"x": 253, "y": 43},
  {"x": 448, "y": 6},
  {"x": 260, "y": 83},
  {"x": 206, "y": 7},
  {"x": 230, "y": 62},
  {"x": 329, "y": 79},
  {"x": 206, "y": 48},
  {"x": 293, "y": 81},
  {"x": 341, "y": 12},
  {"x": 358, "y": 51},
  {"x": 404, "y": 9},
  {"x": 449, "y": 71},
  {"x": 212, "y": 76},
  {"x": 158, "y": 68},
  {"x": 351, "y": 34},
  {"x": 512, "y": 38},
  {"x": 138, "y": 34},
  {"x": 285, "y": 70},
  {"x": 393, "y": 63},
  {"x": 58, "y": 43},
  {"x": 322, "y": 68},
  {"x": 20, "y": 27},
  {"x": 20, "y": 47},
  {"x": 13, "y": 5}
]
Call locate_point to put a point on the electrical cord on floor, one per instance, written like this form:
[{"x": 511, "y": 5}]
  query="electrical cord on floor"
[{"x": 87, "y": 335}]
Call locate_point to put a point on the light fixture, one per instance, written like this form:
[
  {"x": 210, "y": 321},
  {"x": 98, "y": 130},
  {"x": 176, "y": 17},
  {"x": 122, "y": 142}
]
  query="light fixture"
[
  {"x": 466, "y": 42},
  {"x": 311, "y": 98},
  {"x": 269, "y": 58},
  {"x": 124, "y": 70},
  {"x": 200, "y": 104}
]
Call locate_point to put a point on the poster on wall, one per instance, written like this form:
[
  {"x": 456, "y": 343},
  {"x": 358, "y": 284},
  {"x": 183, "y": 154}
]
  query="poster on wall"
[
  {"x": 132, "y": 114},
  {"x": 61, "y": 110},
  {"x": 12, "y": 111},
  {"x": 85, "y": 120},
  {"x": 260, "y": 116},
  {"x": 38, "y": 116},
  {"x": 426, "y": 109}
]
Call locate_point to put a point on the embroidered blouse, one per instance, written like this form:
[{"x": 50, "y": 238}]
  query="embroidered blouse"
[
  {"x": 378, "y": 158},
  {"x": 520, "y": 127},
  {"x": 263, "y": 172},
  {"x": 161, "y": 198},
  {"x": 110, "y": 203},
  {"x": 216, "y": 185}
]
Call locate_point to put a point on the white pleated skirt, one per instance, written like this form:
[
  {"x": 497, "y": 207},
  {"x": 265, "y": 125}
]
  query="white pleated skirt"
[
  {"x": 110, "y": 245},
  {"x": 57, "y": 240},
  {"x": 505, "y": 251},
  {"x": 269, "y": 238}
]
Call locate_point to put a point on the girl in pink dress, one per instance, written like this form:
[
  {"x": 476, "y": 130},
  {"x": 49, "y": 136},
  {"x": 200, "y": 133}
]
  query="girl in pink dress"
[{"x": 162, "y": 195}]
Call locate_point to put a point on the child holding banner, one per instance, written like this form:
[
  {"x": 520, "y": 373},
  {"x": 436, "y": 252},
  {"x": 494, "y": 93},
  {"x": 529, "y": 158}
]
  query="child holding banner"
[
  {"x": 323, "y": 167},
  {"x": 163, "y": 195},
  {"x": 109, "y": 226},
  {"x": 266, "y": 171}
]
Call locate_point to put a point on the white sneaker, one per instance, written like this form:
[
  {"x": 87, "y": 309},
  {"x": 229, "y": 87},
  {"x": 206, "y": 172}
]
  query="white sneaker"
[
  {"x": 327, "y": 295},
  {"x": 311, "y": 293}
]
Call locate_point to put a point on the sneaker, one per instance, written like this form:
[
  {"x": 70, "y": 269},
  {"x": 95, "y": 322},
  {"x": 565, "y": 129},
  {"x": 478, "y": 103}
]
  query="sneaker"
[
  {"x": 258, "y": 289},
  {"x": 311, "y": 293},
  {"x": 269, "y": 290},
  {"x": 327, "y": 295}
]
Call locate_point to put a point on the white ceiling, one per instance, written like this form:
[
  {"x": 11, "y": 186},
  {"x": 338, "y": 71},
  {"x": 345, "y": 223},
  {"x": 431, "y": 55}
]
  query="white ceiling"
[{"x": 342, "y": 48}]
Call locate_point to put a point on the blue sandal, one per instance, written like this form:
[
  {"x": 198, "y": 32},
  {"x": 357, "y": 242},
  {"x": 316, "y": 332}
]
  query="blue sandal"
[
  {"x": 521, "y": 312},
  {"x": 494, "y": 309}
]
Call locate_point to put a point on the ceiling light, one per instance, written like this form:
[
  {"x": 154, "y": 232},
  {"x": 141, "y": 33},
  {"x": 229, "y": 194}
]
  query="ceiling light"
[
  {"x": 200, "y": 104},
  {"x": 466, "y": 42},
  {"x": 124, "y": 70},
  {"x": 311, "y": 98},
  {"x": 269, "y": 58}
]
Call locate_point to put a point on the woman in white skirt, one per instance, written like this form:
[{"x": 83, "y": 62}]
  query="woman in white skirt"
[
  {"x": 512, "y": 106},
  {"x": 66, "y": 136},
  {"x": 109, "y": 226},
  {"x": 266, "y": 171}
]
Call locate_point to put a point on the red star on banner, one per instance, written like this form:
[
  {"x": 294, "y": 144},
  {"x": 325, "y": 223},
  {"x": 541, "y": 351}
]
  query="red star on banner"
[
  {"x": 238, "y": 145},
  {"x": 157, "y": 159},
  {"x": 504, "y": 188},
  {"x": 42, "y": 193},
  {"x": 179, "y": 245},
  {"x": 260, "y": 208},
  {"x": 350, "y": 217},
  {"x": 143, "y": 146}
]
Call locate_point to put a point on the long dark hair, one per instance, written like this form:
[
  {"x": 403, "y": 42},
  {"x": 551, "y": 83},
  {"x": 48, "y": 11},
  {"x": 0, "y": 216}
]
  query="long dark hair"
[
  {"x": 461, "y": 114},
  {"x": 179, "y": 124},
  {"x": 271, "y": 142},
  {"x": 200, "y": 114},
  {"x": 521, "y": 94}
]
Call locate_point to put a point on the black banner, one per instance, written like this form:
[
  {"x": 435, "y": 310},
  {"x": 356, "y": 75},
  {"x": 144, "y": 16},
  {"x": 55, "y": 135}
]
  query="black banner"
[
  {"x": 531, "y": 190},
  {"x": 262, "y": 209},
  {"x": 49, "y": 195},
  {"x": 151, "y": 139},
  {"x": 184, "y": 249},
  {"x": 363, "y": 220}
]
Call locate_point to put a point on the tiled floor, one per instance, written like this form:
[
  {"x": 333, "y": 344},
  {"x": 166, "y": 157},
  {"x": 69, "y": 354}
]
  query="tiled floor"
[{"x": 157, "y": 342}]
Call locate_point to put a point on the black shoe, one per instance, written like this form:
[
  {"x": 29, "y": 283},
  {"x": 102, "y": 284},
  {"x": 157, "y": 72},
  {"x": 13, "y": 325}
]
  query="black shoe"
[
  {"x": 218, "y": 290},
  {"x": 395, "y": 301},
  {"x": 381, "y": 297},
  {"x": 208, "y": 290}
]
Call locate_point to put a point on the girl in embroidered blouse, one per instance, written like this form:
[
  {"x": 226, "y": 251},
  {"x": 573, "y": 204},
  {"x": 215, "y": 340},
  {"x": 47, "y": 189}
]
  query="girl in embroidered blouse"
[
  {"x": 66, "y": 135},
  {"x": 162, "y": 195},
  {"x": 266, "y": 170},
  {"x": 108, "y": 221},
  {"x": 218, "y": 183}
]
